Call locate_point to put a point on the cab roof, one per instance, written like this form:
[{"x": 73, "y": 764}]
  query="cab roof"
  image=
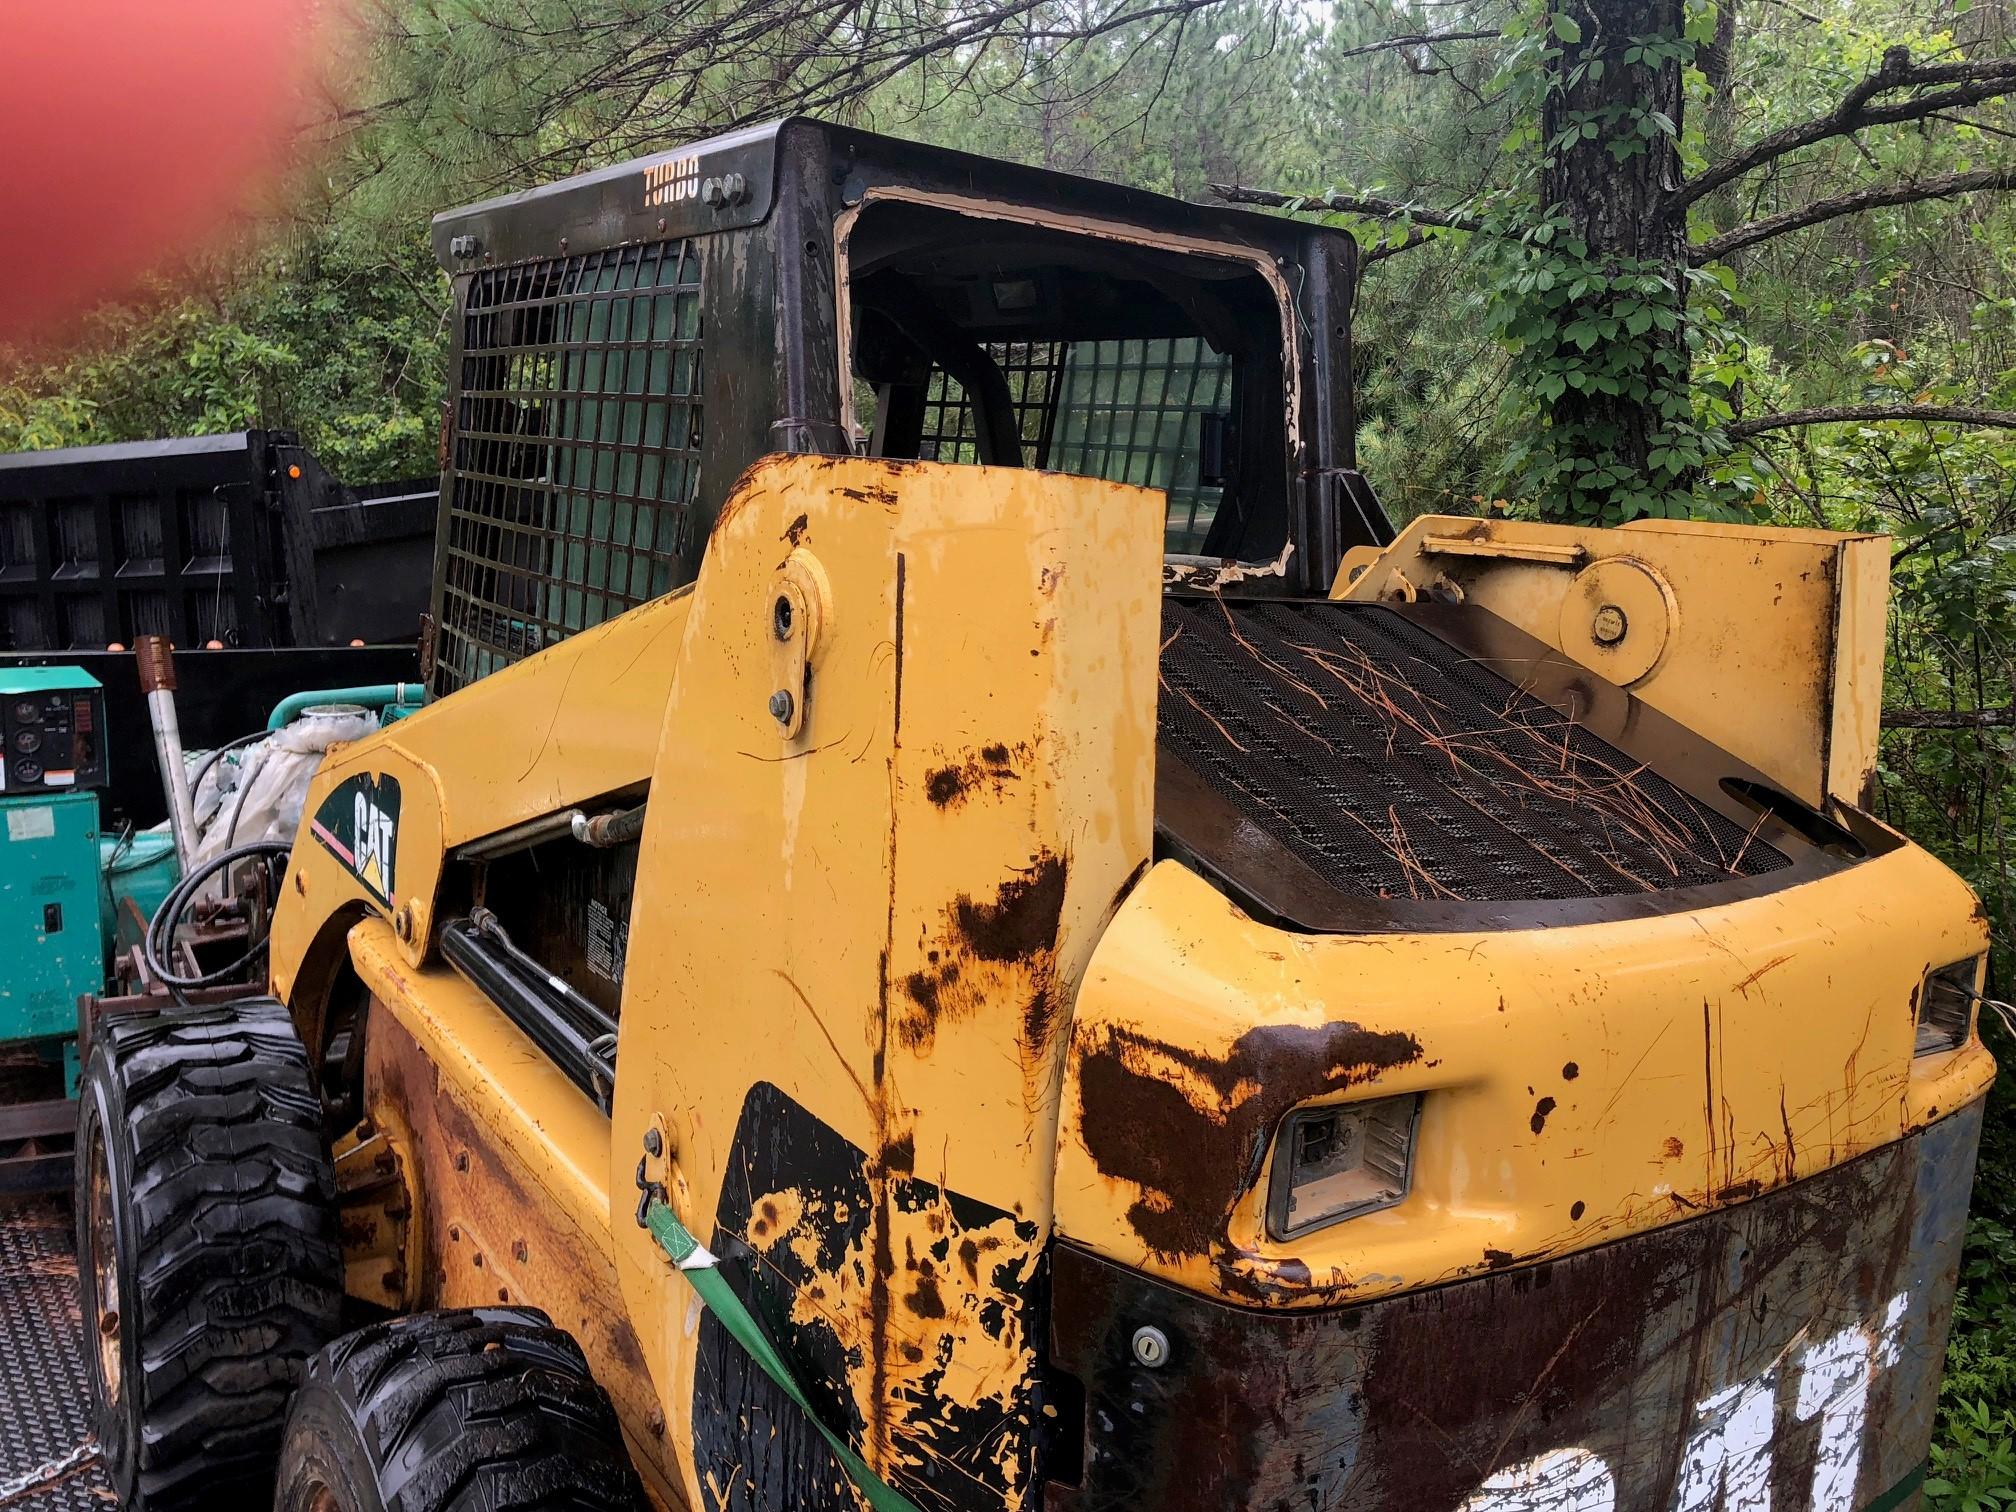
[{"x": 731, "y": 181}]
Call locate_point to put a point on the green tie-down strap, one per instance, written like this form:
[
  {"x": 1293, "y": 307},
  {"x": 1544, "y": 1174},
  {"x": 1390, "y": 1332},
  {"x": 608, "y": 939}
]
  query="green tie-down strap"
[
  {"x": 1898, "y": 1494},
  {"x": 701, "y": 1268}
]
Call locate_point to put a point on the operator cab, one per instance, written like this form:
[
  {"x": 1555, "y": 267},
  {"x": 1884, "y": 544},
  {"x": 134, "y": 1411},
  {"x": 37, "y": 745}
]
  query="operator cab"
[{"x": 632, "y": 339}]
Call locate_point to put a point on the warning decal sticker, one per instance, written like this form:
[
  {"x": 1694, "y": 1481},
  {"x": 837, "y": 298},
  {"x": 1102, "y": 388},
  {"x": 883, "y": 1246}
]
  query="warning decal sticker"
[{"x": 358, "y": 824}]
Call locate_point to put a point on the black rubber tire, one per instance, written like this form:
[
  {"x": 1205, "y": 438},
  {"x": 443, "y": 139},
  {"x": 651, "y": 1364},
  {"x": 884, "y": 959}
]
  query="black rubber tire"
[
  {"x": 474, "y": 1411},
  {"x": 214, "y": 1234}
]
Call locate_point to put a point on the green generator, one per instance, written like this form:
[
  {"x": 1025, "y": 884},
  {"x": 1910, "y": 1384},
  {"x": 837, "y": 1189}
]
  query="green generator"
[{"x": 52, "y": 939}]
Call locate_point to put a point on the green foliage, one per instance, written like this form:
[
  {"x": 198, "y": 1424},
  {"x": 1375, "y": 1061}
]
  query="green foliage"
[
  {"x": 1973, "y": 1464},
  {"x": 1981, "y": 1364},
  {"x": 337, "y": 336},
  {"x": 1605, "y": 328}
]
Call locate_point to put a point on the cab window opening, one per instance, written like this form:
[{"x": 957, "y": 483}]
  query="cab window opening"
[{"x": 1016, "y": 346}]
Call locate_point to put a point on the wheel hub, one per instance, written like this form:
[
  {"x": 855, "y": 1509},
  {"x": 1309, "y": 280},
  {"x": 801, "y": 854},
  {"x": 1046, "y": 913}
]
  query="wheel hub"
[{"x": 104, "y": 1261}]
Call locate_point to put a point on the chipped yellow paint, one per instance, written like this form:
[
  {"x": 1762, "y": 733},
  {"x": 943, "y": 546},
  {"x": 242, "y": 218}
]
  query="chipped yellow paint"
[
  {"x": 775, "y": 1218},
  {"x": 924, "y": 911},
  {"x": 1769, "y": 641},
  {"x": 937, "y": 1328},
  {"x": 1580, "y": 1084},
  {"x": 886, "y": 913}
]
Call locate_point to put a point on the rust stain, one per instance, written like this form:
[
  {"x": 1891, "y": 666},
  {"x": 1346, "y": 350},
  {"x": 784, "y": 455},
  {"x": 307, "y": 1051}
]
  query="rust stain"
[
  {"x": 1540, "y": 1111},
  {"x": 990, "y": 769},
  {"x": 937, "y": 1322},
  {"x": 773, "y": 1217},
  {"x": 1212, "y": 1117},
  {"x": 1001, "y": 950},
  {"x": 1791, "y": 1144},
  {"x": 798, "y": 529},
  {"x": 1673, "y": 1149},
  {"x": 899, "y": 1157},
  {"x": 1771, "y": 965},
  {"x": 874, "y": 493}
]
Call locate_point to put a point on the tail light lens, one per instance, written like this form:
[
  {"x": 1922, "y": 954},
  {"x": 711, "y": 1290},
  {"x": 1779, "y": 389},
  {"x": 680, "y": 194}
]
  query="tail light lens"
[
  {"x": 1336, "y": 1162},
  {"x": 1946, "y": 1007}
]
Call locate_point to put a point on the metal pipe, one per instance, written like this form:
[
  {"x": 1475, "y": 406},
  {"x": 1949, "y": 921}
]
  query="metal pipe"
[
  {"x": 605, "y": 831},
  {"x": 157, "y": 680},
  {"x": 520, "y": 836},
  {"x": 370, "y": 695}
]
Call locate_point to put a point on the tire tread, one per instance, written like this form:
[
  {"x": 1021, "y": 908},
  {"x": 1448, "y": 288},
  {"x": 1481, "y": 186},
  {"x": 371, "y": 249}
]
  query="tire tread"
[
  {"x": 485, "y": 1408},
  {"x": 238, "y": 1266}
]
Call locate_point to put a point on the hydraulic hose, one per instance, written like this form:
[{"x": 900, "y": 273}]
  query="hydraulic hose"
[
  {"x": 212, "y": 758},
  {"x": 156, "y": 942}
]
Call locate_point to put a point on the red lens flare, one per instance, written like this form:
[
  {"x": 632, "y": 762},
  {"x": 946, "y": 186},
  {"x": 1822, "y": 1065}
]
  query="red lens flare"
[{"x": 134, "y": 132}]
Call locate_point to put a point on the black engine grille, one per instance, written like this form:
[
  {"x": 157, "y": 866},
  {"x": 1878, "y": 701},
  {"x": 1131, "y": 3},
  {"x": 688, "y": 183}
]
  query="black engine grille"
[{"x": 1395, "y": 767}]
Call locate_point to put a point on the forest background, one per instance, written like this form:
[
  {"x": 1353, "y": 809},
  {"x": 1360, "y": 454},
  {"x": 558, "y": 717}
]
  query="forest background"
[{"x": 1751, "y": 260}]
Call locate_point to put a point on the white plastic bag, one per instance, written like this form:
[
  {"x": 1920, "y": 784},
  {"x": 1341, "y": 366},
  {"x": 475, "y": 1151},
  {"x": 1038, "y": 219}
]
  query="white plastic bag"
[{"x": 270, "y": 789}]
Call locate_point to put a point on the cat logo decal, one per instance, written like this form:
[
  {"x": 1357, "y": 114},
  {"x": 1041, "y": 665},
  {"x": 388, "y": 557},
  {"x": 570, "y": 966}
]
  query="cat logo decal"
[{"x": 358, "y": 824}]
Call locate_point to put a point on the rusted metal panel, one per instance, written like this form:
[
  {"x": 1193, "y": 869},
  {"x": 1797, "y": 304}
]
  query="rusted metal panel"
[
  {"x": 375, "y": 1209},
  {"x": 1784, "y": 1352},
  {"x": 949, "y": 1338},
  {"x": 882, "y": 920},
  {"x": 489, "y": 1234},
  {"x": 1577, "y": 1085}
]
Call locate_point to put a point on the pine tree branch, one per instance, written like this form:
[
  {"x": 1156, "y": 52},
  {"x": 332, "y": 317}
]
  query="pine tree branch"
[
  {"x": 1801, "y": 12},
  {"x": 1911, "y": 191},
  {"x": 1949, "y": 719},
  {"x": 1349, "y": 204},
  {"x": 1957, "y": 414},
  {"x": 1952, "y": 86},
  {"x": 1416, "y": 237},
  {"x": 1424, "y": 39}
]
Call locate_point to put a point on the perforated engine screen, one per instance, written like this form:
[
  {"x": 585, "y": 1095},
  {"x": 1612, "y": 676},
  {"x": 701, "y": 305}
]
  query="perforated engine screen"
[{"x": 1395, "y": 767}]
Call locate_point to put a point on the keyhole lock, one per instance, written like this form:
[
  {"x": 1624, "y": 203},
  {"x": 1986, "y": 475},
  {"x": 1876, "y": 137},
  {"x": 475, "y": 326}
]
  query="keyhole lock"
[{"x": 1151, "y": 1346}]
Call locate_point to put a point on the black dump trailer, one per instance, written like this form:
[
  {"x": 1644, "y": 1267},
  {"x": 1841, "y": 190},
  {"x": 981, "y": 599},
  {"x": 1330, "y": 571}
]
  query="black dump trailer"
[
  {"x": 261, "y": 568},
  {"x": 243, "y": 539}
]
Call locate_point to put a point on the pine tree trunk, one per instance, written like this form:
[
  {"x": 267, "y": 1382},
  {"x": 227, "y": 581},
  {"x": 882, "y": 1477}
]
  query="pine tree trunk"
[{"x": 1617, "y": 205}]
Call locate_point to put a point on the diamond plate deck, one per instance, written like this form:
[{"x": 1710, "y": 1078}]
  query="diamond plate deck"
[{"x": 44, "y": 1396}]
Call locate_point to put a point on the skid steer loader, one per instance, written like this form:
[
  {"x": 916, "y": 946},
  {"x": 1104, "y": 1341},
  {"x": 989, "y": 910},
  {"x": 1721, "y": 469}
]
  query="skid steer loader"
[{"x": 967, "y": 928}]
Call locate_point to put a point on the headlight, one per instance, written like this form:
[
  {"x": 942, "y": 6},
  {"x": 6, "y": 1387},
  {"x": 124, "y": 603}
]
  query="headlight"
[
  {"x": 1946, "y": 1007},
  {"x": 1335, "y": 1162}
]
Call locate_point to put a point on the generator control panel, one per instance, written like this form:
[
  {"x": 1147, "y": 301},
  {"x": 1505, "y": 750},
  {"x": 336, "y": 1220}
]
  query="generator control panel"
[{"x": 53, "y": 719}]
